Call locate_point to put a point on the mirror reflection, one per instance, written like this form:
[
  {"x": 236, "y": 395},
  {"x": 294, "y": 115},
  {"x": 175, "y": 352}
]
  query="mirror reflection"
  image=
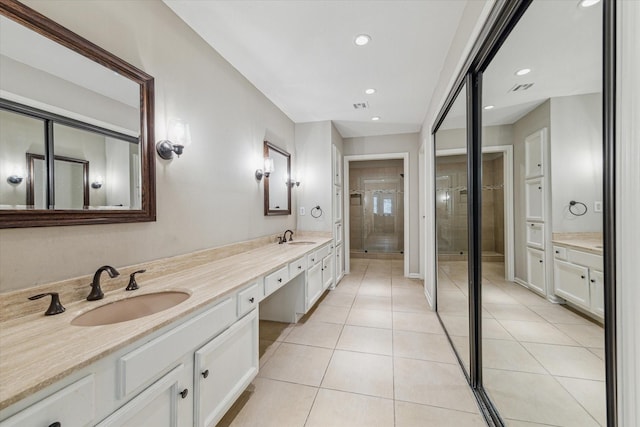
[
  {"x": 543, "y": 345},
  {"x": 277, "y": 185},
  {"x": 452, "y": 232},
  {"x": 55, "y": 101}
]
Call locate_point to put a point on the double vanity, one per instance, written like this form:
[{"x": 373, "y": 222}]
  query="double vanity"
[{"x": 184, "y": 365}]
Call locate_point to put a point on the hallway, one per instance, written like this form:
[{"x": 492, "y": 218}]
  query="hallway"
[{"x": 370, "y": 354}]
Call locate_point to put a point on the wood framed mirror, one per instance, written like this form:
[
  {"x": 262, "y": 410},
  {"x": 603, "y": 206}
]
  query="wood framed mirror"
[
  {"x": 88, "y": 105},
  {"x": 277, "y": 184}
]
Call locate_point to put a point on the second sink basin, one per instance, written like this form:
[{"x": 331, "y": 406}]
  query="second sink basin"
[{"x": 130, "y": 308}]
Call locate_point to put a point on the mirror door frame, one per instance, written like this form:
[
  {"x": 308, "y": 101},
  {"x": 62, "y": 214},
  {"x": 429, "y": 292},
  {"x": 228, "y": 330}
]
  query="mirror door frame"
[{"x": 502, "y": 19}]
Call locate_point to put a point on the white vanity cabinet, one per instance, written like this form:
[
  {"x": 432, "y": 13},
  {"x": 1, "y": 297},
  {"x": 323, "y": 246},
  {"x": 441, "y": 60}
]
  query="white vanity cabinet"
[
  {"x": 579, "y": 280},
  {"x": 224, "y": 367},
  {"x": 73, "y": 405}
]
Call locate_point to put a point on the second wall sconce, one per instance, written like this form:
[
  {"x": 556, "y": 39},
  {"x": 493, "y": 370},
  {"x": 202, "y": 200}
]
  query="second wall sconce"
[
  {"x": 97, "y": 182},
  {"x": 268, "y": 169},
  {"x": 178, "y": 137},
  {"x": 14, "y": 179}
]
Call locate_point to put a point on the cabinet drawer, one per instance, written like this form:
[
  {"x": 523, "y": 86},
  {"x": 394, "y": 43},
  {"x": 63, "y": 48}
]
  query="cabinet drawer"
[
  {"x": 148, "y": 361},
  {"x": 560, "y": 252},
  {"x": 297, "y": 266},
  {"x": 275, "y": 280},
  {"x": 71, "y": 406},
  {"x": 323, "y": 252},
  {"x": 584, "y": 258},
  {"x": 249, "y": 298},
  {"x": 313, "y": 258},
  {"x": 535, "y": 235}
]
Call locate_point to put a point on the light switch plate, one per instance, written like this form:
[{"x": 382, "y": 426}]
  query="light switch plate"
[{"x": 597, "y": 206}]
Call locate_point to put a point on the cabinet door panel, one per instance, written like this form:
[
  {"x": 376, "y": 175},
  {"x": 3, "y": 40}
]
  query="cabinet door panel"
[
  {"x": 534, "y": 193},
  {"x": 155, "y": 406},
  {"x": 596, "y": 292},
  {"x": 536, "y": 270},
  {"x": 534, "y": 154},
  {"x": 224, "y": 368},
  {"x": 314, "y": 285},
  {"x": 328, "y": 271},
  {"x": 572, "y": 283}
]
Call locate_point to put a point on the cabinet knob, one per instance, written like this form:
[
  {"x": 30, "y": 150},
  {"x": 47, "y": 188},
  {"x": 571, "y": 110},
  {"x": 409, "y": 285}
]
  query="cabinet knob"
[
  {"x": 184, "y": 393},
  {"x": 252, "y": 299},
  {"x": 540, "y": 261},
  {"x": 280, "y": 279},
  {"x": 56, "y": 424},
  {"x": 299, "y": 267},
  {"x": 205, "y": 374},
  {"x": 593, "y": 280},
  {"x": 539, "y": 188},
  {"x": 539, "y": 165},
  {"x": 582, "y": 276},
  {"x": 557, "y": 252}
]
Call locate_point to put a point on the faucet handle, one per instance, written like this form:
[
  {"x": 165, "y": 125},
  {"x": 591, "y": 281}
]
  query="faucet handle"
[
  {"x": 55, "y": 307},
  {"x": 133, "y": 285}
]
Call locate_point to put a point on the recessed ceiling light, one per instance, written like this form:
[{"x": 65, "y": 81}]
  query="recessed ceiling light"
[
  {"x": 489, "y": 107},
  {"x": 375, "y": 118},
  {"x": 523, "y": 71},
  {"x": 362, "y": 39},
  {"x": 588, "y": 3},
  {"x": 370, "y": 91}
]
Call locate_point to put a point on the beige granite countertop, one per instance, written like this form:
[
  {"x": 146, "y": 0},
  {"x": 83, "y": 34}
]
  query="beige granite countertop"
[
  {"x": 589, "y": 242},
  {"x": 37, "y": 351}
]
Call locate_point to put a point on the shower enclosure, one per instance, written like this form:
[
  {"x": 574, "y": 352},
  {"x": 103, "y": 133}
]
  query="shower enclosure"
[
  {"x": 376, "y": 212},
  {"x": 451, "y": 207}
]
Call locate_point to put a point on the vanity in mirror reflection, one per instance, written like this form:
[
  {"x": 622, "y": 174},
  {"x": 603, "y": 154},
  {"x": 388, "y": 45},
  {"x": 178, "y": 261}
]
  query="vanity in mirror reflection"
[
  {"x": 277, "y": 184},
  {"x": 75, "y": 128}
]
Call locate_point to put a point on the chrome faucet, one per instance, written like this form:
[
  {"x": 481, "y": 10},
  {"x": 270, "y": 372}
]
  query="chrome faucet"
[
  {"x": 284, "y": 237},
  {"x": 96, "y": 292}
]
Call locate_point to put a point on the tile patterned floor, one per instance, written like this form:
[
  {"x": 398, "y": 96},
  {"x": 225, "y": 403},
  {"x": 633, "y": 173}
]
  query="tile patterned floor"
[
  {"x": 370, "y": 354},
  {"x": 543, "y": 363}
]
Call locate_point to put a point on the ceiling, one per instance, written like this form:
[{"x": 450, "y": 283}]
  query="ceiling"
[
  {"x": 302, "y": 55},
  {"x": 562, "y": 45}
]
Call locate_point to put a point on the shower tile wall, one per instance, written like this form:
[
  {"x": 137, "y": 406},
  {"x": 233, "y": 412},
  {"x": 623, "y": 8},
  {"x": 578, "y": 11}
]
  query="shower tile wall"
[
  {"x": 383, "y": 175},
  {"x": 451, "y": 206}
]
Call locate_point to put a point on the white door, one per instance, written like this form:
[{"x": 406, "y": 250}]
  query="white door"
[
  {"x": 534, "y": 194},
  {"x": 534, "y": 154},
  {"x": 314, "y": 284},
  {"x": 596, "y": 292}
]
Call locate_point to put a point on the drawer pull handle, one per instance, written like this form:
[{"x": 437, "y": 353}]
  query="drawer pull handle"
[
  {"x": 313, "y": 260},
  {"x": 184, "y": 393},
  {"x": 539, "y": 165},
  {"x": 540, "y": 261},
  {"x": 557, "y": 252},
  {"x": 299, "y": 267},
  {"x": 205, "y": 374},
  {"x": 56, "y": 424},
  {"x": 251, "y": 300},
  {"x": 280, "y": 279},
  {"x": 593, "y": 280},
  {"x": 582, "y": 277}
]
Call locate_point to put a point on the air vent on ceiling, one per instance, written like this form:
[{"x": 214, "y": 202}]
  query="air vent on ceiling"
[
  {"x": 521, "y": 87},
  {"x": 360, "y": 105}
]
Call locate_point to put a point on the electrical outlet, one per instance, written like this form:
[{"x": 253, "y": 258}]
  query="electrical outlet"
[
  {"x": 597, "y": 206},
  {"x": 302, "y": 211}
]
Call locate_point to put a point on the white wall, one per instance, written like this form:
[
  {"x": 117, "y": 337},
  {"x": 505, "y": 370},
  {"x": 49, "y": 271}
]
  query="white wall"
[
  {"x": 576, "y": 161},
  {"x": 403, "y": 143},
  {"x": 209, "y": 196},
  {"x": 313, "y": 146}
]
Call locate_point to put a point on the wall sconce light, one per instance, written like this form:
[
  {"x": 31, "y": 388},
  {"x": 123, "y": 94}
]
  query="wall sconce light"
[
  {"x": 268, "y": 169},
  {"x": 15, "y": 179},
  {"x": 178, "y": 137},
  {"x": 293, "y": 182},
  {"x": 97, "y": 182}
]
